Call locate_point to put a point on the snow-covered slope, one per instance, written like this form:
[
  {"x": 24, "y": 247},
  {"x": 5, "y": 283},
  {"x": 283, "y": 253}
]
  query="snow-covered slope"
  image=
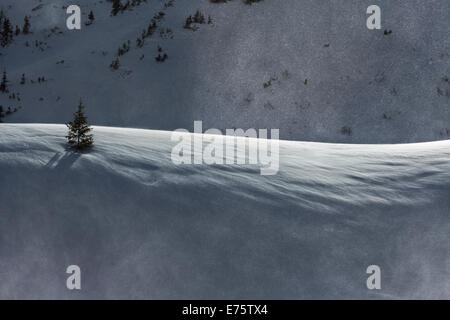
[
  {"x": 384, "y": 88},
  {"x": 141, "y": 227}
]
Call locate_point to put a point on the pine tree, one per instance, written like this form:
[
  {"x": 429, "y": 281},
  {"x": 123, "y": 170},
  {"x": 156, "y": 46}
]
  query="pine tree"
[
  {"x": 188, "y": 22},
  {"x": 2, "y": 115},
  {"x": 115, "y": 64},
  {"x": 4, "y": 83},
  {"x": 2, "y": 19},
  {"x": 126, "y": 5},
  {"x": 17, "y": 31},
  {"x": 78, "y": 136},
  {"x": 22, "y": 80},
  {"x": 91, "y": 17},
  {"x": 26, "y": 26},
  {"x": 7, "y": 33},
  {"x": 116, "y": 7},
  {"x": 139, "y": 42}
]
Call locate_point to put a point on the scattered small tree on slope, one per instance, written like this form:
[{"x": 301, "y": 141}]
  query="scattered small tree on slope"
[
  {"x": 79, "y": 137},
  {"x": 2, "y": 115},
  {"x": 4, "y": 83},
  {"x": 91, "y": 18},
  {"x": 26, "y": 26}
]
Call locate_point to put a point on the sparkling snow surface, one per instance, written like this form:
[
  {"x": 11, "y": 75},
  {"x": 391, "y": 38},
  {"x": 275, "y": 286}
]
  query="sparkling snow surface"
[{"x": 141, "y": 227}]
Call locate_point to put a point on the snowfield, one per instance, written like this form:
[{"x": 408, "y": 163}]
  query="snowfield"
[{"x": 141, "y": 227}]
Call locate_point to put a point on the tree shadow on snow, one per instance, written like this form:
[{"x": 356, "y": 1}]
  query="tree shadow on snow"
[{"x": 63, "y": 161}]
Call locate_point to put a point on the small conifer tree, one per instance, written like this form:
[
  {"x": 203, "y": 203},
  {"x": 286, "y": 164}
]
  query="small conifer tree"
[
  {"x": 26, "y": 26},
  {"x": 79, "y": 137},
  {"x": 7, "y": 33},
  {"x": 4, "y": 83},
  {"x": 115, "y": 64},
  {"x": 116, "y": 7},
  {"x": 91, "y": 18}
]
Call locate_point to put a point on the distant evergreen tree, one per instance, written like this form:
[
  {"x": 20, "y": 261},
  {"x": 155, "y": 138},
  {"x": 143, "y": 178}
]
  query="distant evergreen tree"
[
  {"x": 1, "y": 29},
  {"x": 22, "y": 80},
  {"x": 79, "y": 137},
  {"x": 115, "y": 64},
  {"x": 7, "y": 33},
  {"x": 116, "y": 7},
  {"x": 2, "y": 115},
  {"x": 187, "y": 24},
  {"x": 126, "y": 5},
  {"x": 139, "y": 42},
  {"x": 26, "y": 26},
  {"x": 17, "y": 31},
  {"x": 2, "y": 19},
  {"x": 91, "y": 17},
  {"x": 4, "y": 83}
]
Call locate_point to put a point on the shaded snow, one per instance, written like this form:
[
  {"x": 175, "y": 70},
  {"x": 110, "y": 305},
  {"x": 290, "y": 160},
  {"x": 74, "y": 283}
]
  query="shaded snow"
[{"x": 141, "y": 227}]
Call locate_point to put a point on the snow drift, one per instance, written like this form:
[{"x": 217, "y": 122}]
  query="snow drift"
[{"x": 142, "y": 227}]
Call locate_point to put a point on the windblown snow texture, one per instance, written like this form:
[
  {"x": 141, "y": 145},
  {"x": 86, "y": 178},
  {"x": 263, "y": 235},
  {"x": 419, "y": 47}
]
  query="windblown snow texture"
[{"x": 142, "y": 227}]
